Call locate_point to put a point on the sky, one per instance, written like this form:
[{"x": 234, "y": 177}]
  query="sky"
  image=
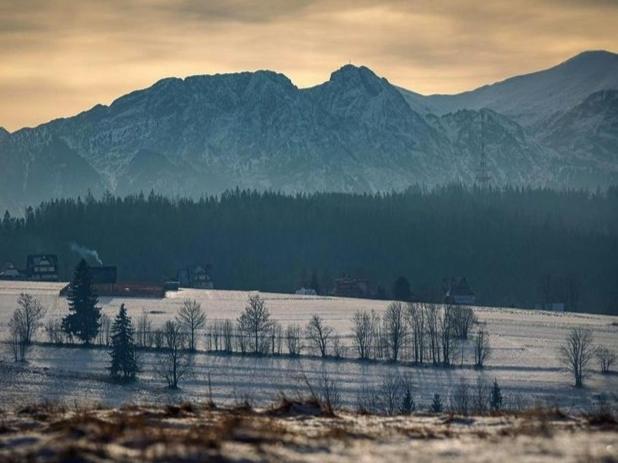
[{"x": 60, "y": 57}]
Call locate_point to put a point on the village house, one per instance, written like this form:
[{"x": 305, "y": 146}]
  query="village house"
[
  {"x": 42, "y": 267},
  {"x": 9, "y": 272},
  {"x": 351, "y": 287},
  {"x": 195, "y": 277},
  {"x": 458, "y": 292}
]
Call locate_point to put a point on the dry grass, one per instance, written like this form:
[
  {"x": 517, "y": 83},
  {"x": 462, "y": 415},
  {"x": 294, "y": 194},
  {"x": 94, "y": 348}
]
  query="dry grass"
[{"x": 195, "y": 432}]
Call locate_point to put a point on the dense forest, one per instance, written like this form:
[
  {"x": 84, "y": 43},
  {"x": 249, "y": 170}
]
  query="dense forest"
[{"x": 516, "y": 247}]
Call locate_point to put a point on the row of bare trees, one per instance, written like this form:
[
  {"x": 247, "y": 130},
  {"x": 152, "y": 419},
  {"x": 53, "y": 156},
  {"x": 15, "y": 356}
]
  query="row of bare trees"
[
  {"x": 419, "y": 333},
  {"x": 429, "y": 334}
]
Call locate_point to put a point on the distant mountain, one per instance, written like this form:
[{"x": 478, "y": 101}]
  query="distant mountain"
[
  {"x": 512, "y": 156},
  {"x": 587, "y": 136},
  {"x": 354, "y": 133},
  {"x": 531, "y": 98}
]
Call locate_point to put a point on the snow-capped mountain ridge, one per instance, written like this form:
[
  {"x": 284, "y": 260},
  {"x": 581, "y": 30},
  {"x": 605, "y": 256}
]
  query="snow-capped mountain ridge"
[
  {"x": 531, "y": 98},
  {"x": 355, "y": 132}
]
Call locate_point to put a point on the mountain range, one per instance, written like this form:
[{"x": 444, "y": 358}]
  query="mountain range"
[{"x": 354, "y": 133}]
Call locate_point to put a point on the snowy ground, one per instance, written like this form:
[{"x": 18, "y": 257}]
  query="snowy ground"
[{"x": 524, "y": 358}]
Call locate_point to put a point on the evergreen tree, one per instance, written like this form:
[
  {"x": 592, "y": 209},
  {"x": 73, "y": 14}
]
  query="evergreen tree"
[
  {"x": 314, "y": 284},
  {"x": 401, "y": 289},
  {"x": 124, "y": 361},
  {"x": 407, "y": 404},
  {"x": 495, "y": 401},
  {"x": 83, "y": 319},
  {"x": 436, "y": 404}
]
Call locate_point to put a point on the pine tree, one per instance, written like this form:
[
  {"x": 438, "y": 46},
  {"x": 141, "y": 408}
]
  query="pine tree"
[
  {"x": 496, "y": 397},
  {"x": 83, "y": 319},
  {"x": 314, "y": 284},
  {"x": 407, "y": 405},
  {"x": 124, "y": 361},
  {"x": 436, "y": 404},
  {"x": 401, "y": 289}
]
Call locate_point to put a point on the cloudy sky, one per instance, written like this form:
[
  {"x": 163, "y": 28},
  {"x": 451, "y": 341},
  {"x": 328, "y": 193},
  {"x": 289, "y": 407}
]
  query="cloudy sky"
[{"x": 59, "y": 57}]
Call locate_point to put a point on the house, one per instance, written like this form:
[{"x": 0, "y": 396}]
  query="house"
[
  {"x": 42, "y": 267},
  {"x": 306, "y": 292},
  {"x": 9, "y": 272},
  {"x": 458, "y": 292},
  {"x": 552, "y": 306},
  {"x": 351, "y": 287},
  {"x": 103, "y": 277},
  {"x": 195, "y": 277}
]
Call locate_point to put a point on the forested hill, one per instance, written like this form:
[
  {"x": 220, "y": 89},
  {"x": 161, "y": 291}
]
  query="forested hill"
[{"x": 509, "y": 243}]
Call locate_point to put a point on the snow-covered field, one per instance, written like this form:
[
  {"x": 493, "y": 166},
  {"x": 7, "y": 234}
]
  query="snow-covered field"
[{"x": 524, "y": 358}]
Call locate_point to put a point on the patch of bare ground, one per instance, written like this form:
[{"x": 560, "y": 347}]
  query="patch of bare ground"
[{"x": 297, "y": 430}]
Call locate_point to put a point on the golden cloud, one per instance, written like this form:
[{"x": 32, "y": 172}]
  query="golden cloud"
[{"x": 61, "y": 56}]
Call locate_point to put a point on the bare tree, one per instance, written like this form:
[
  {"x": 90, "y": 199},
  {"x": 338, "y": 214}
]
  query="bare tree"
[
  {"x": 460, "y": 398},
  {"x": 482, "y": 396},
  {"x": 432, "y": 316},
  {"x": 275, "y": 338},
  {"x": 394, "y": 329},
  {"x": 54, "y": 331},
  {"x": 143, "y": 330},
  {"x": 158, "y": 338},
  {"x": 292, "y": 337},
  {"x": 323, "y": 391},
  {"x": 463, "y": 319},
  {"x": 17, "y": 336},
  {"x": 363, "y": 330},
  {"x": 446, "y": 329},
  {"x": 339, "y": 349},
  {"x": 103, "y": 335},
  {"x": 606, "y": 358},
  {"x": 30, "y": 313},
  {"x": 191, "y": 318},
  {"x": 255, "y": 321},
  {"x": 482, "y": 348},
  {"x": 416, "y": 320},
  {"x": 175, "y": 364},
  {"x": 319, "y": 334},
  {"x": 390, "y": 397},
  {"x": 577, "y": 352},
  {"x": 228, "y": 336}
]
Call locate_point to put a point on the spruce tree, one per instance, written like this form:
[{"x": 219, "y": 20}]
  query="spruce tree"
[
  {"x": 315, "y": 285},
  {"x": 401, "y": 289},
  {"x": 496, "y": 397},
  {"x": 83, "y": 319},
  {"x": 407, "y": 404},
  {"x": 436, "y": 405},
  {"x": 124, "y": 361}
]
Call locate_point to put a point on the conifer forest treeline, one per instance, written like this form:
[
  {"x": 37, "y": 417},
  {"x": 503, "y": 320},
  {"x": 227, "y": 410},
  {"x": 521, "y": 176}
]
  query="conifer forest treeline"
[{"x": 516, "y": 247}]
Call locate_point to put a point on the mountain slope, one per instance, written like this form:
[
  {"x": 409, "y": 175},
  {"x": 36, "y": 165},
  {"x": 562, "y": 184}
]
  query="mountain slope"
[
  {"x": 587, "y": 135},
  {"x": 354, "y": 133},
  {"x": 532, "y": 97},
  {"x": 512, "y": 157}
]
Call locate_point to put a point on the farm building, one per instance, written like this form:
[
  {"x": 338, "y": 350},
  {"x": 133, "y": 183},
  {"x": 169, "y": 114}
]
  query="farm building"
[
  {"x": 10, "y": 272},
  {"x": 351, "y": 287},
  {"x": 195, "y": 277},
  {"x": 306, "y": 292},
  {"x": 458, "y": 292},
  {"x": 42, "y": 267}
]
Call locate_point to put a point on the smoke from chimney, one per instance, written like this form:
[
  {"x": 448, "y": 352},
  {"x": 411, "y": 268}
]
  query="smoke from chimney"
[{"x": 86, "y": 253}]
